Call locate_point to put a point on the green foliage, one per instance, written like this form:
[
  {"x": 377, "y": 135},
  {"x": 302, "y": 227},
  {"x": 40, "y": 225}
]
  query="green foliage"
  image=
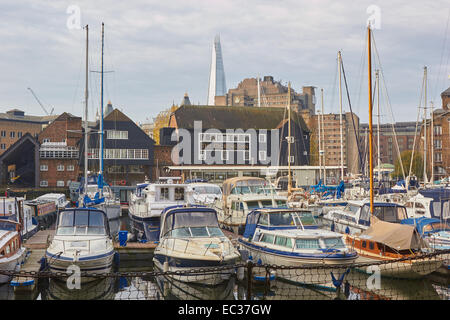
[{"x": 417, "y": 166}]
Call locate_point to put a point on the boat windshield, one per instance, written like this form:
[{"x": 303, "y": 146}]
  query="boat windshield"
[
  {"x": 92, "y": 189},
  {"x": 207, "y": 190},
  {"x": 193, "y": 232},
  {"x": 252, "y": 205},
  {"x": 390, "y": 214},
  {"x": 81, "y": 222},
  {"x": 351, "y": 208},
  {"x": 253, "y": 187},
  {"x": 280, "y": 219},
  {"x": 436, "y": 227},
  {"x": 190, "y": 220},
  {"x": 334, "y": 243}
]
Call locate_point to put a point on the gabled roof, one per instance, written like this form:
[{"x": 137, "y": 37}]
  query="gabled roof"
[
  {"x": 446, "y": 92},
  {"x": 225, "y": 117},
  {"x": 116, "y": 115}
]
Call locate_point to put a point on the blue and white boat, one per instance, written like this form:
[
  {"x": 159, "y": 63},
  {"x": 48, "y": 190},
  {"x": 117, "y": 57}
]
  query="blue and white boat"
[
  {"x": 355, "y": 217},
  {"x": 148, "y": 202},
  {"x": 429, "y": 203},
  {"x": 83, "y": 239},
  {"x": 16, "y": 209},
  {"x": 435, "y": 232},
  {"x": 288, "y": 237},
  {"x": 190, "y": 241}
]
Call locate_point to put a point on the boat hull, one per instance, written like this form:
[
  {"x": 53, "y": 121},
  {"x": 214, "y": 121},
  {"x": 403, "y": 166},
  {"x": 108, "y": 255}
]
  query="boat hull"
[
  {"x": 88, "y": 264},
  {"x": 145, "y": 228},
  {"x": 11, "y": 264},
  {"x": 195, "y": 271},
  {"x": 313, "y": 272}
]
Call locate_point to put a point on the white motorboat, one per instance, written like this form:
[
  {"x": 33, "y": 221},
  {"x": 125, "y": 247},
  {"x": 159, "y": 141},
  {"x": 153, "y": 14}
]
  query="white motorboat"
[
  {"x": 15, "y": 209},
  {"x": 83, "y": 239},
  {"x": 190, "y": 242},
  {"x": 60, "y": 199},
  {"x": 240, "y": 196},
  {"x": 279, "y": 237},
  {"x": 149, "y": 200},
  {"x": 11, "y": 250},
  {"x": 355, "y": 217}
]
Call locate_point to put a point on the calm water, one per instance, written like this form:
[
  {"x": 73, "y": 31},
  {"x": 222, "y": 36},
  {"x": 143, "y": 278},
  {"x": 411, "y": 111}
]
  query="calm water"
[{"x": 433, "y": 287}]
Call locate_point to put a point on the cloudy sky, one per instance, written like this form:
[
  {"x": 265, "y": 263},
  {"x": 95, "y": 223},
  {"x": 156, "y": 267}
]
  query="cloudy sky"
[{"x": 158, "y": 50}]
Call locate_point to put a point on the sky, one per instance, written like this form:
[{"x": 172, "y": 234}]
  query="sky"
[{"x": 156, "y": 51}]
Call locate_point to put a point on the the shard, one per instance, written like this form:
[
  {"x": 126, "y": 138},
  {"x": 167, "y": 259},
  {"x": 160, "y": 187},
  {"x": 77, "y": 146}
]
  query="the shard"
[{"x": 217, "y": 86}]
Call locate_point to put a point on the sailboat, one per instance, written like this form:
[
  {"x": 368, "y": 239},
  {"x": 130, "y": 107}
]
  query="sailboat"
[
  {"x": 397, "y": 247},
  {"x": 99, "y": 194},
  {"x": 82, "y": 236}
]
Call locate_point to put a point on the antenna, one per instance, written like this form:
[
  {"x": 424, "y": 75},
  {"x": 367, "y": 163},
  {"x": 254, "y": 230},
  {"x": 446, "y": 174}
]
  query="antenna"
[{"x": 42, "y": 106}]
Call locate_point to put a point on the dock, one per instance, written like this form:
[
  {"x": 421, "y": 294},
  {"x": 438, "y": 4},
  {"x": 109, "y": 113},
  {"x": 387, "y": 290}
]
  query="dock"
[
  {"x": 135, "y": 251},
  {"x": 35, "y": 247}
]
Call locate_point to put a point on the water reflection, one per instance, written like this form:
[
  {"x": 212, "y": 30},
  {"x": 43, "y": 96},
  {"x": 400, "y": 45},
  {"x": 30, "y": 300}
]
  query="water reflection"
[{"x": 102, "y": 289}]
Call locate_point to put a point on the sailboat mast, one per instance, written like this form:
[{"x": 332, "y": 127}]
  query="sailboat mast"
[
  {"x": 369, "y": 51},
  {"x": 320, "y": 143},
  {"x": 432, "y": 143},
  {"x": 340, "y": 117},
  {"x": 323, "y": 140},
  {"x": 425, "y": 147},
  {"x": 259, "y": 93},
  {"x": 86, "y": 95},
  {"x": 101, "y": 111},
  {"x": 377, "y": 75},
  {"x": 289, "y": 141}
]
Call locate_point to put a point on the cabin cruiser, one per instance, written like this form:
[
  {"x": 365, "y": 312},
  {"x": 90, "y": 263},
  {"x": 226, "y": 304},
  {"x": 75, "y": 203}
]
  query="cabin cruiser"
[
  {"x": 355, "y": 217},
  {"x": 205, "y": 193},
  {"x": 83, "y": 239},
  {"x": 240, "y": 196},
  {"x": 148, "y": 201},
  {"x": 15, "y": 209},
  {"x": 59, "y": 198},
  {"x": 429, "y": 203},
  {"x": 43, "y": 211},
  {"x": 11, "y": 250},
  {"x": 282, "y": 237},
  {"x": 395, "y": 248},
  {"x": 191, "y": 240}
]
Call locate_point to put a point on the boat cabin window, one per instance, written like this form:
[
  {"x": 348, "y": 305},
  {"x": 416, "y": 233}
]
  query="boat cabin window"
[
  {"x": 267, "y": 238},
  {"x": 188, "y": 232},
  {"x": 179, "y": 194},
  {"x": 267, "y": 203},
  {"x": 237, "y": 205},
  {"x": 264, "y": 219},
  {"x": 446, "y": 210},
  {"x": 252, "y": 205},
  {"x": 191, "y": 224},
  {"x": 281, "y": 203},
  {"x": 281, "y": 219},
  {"x": 307, "y": 244},
  {"x": 81, "y": 222},
  {"x": 8, "y": 250},
  {"x": 390, "y": 214},
  {"x": 334, "y": 243},
  {"x": 164, "y": 194},
  {"x": 351, "y": 208},
  {"x": 283, "y": 241},
  {"x": 207, "y": 190}
]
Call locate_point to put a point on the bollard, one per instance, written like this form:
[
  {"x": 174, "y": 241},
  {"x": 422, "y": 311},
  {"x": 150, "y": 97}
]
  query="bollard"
[{"x": 249, "y": 279}]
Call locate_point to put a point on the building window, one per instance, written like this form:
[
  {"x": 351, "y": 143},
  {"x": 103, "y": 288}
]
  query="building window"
[
  {"x": 3, "y": 133},
  {"x": 3, "y": 146},
  {"x": 45, "y": 140},
  {"x": 19, "y": 134},
  {"x": 438, "y": 144},
  {"x": 70, "y": 168},
  {"x": 437, "y": 130},
  {"x": 12, "y": 134},
  {"x": 139, "y": 154},
  {"x": 44, "y": 183},
  {"x": 262, "y": 155},
  {"x": 225, "y": 155},
  {"x": 60, "y": 167},
  {"x": 262, "y": 138},
  {"x": 44, "y": 167},
  {"x": 438, "y": 157},
  {"x": 114, "y": 134},
  {"x": 60, "y": 183}
]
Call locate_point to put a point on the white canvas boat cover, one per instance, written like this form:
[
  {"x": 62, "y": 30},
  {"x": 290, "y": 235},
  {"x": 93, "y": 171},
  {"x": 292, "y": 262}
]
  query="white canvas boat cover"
[{"x": 395, "y": 235}]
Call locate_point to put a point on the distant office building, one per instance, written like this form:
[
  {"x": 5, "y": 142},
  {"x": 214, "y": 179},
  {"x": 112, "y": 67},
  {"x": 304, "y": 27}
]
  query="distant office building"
[
  {"x": 271, "y": 94},
  {"x": 217, "y": 85},
  {"x": 14, "y": 124},
  {"x": 401, "y": 133}
]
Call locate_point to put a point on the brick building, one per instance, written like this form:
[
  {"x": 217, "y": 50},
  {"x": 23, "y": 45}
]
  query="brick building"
[
  {"x": 58, "y": 152},
  {"x": 14, "y": 124},
  {"x": 272, "y": 94},
  {"x": 331, "y": 141},
  {"x": 440, "y": 139}
]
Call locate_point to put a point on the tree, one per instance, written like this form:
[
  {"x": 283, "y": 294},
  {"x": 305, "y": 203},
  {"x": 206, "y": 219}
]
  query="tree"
[
  {"x": 417, "y": 166},
  {"x": 161, "y": 121}
]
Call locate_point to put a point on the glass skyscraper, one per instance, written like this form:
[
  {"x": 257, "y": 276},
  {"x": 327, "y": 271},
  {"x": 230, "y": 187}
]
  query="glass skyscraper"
[{"x": 217, "y": 86}]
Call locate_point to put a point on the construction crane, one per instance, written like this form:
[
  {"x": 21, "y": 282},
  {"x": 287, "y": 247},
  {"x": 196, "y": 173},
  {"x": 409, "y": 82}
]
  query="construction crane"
[{"x": 45, "y": 110}]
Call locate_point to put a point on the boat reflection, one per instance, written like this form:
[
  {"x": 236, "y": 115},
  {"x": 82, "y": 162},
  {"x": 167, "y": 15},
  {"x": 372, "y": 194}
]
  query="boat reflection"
[{"x": 102, "y": 289}]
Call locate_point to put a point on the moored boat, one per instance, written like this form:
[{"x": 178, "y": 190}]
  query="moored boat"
[
  {"x": 190, "y": 242},
  {"x": 11, "y": 250},
  {"x": 83, "y": 239},
  {"x": 281, "y": 237}
]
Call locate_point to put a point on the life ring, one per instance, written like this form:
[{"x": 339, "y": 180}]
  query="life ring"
[
  {"x": 333, "y": 181},
  {"x": 123, "y": 182}
]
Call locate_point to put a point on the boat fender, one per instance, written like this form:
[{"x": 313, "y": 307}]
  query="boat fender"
[
  {"x": 259, "y": 262},
  {"x": 347, "y": 230},
  {"x": 332, "y": 226},
  {"x": 338, "y": 282}
]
